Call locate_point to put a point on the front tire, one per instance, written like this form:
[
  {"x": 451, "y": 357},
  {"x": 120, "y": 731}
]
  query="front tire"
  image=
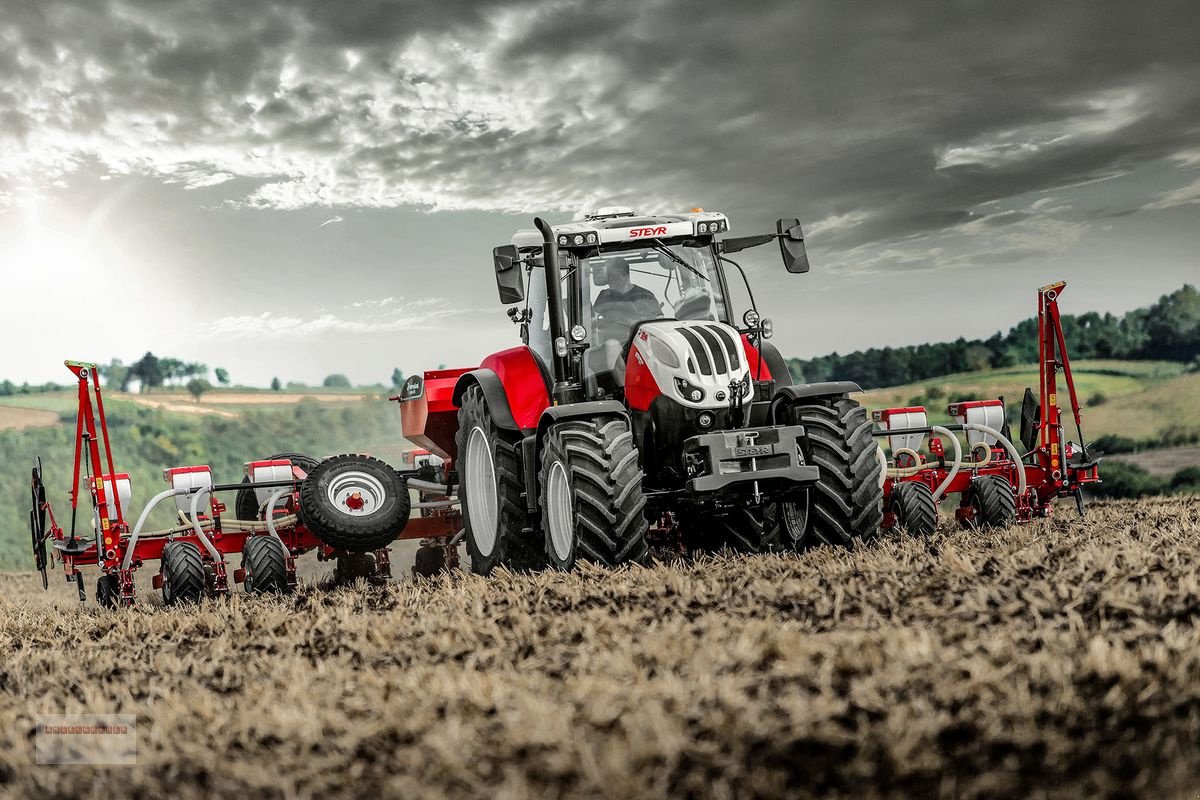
[
  {"x": 994, "y": 503},
  {"x": 490, "y": 491},
  {"x": 914, "y": 508},
  {"x": 265, "y": 560},
  {"x": 846, "y": 503},
  {"x": 183, "y": 573},
  {"x": 591, "y": 498}
]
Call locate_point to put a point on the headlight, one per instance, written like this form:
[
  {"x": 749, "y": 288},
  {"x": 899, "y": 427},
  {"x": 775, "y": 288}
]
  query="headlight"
[
  {"x": 562, "y": 240},
  {"x": 578, "y": 238},
  {"x": 751, "y": 318},
  {"x": 578, "y": 333},
  {"x": 663, "y": 353},
  {"x": 704, "y": 227},
  {"x": 689, "y": 392},
  {"x": 591, "y": 238}
]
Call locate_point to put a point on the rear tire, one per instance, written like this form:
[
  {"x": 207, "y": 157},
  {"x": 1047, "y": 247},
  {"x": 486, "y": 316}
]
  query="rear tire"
[
  {"x": 591, "y": 498},
  {"x": 329, "y": 508},
  {"x": 349, "y": 567},
  {"x": 846, "y": 503},
  {"x": 994, "y": 501},
  {"x": 265, "y": 560},
  {"x": 183, "y": 573},
  {"x": 490, "y": 490},
  {"x": 108, "y": 590},
  {"x": 914, "y": 508},
  {"x": 429, "y": 561}
]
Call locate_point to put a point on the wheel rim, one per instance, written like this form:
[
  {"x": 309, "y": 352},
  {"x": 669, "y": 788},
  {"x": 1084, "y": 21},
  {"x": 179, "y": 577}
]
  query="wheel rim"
[
  {"x": 355, "y": 493},
  {"x": 559, "y": 511},
  {"x": 482, "y": 500}
]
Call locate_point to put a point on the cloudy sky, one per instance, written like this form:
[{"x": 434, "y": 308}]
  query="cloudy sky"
[{"x": 299, "y": 188}]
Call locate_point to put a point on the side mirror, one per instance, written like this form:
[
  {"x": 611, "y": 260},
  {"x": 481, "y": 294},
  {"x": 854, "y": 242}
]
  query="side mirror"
[
  {"x": 791, "y": 245},
  {"x": 509, "y": 280}
]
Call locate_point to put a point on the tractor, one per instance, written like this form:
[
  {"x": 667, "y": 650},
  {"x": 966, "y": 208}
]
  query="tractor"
[{"x": 637, "y": 411}]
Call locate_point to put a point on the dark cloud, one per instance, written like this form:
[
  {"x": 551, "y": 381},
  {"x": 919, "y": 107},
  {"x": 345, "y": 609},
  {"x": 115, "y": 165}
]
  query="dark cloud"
[{"x": 876, "y": 123}]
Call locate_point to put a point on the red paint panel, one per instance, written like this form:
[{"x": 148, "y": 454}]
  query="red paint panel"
[
  {"x": 640, "y": 386},
  {"x": 752, "y": 358},
  {"x": 523, "y": 384}
]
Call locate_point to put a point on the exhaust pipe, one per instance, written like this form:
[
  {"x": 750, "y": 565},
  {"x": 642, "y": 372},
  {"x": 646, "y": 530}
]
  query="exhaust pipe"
[{"x": 560, "y": 368}]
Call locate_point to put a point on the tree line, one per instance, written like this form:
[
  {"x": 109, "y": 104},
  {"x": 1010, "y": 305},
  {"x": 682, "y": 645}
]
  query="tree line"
[{"x": 1168, "y": 330}]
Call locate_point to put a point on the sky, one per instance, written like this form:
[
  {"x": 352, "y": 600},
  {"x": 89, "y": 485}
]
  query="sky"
[{"x": 294, "y": 189}]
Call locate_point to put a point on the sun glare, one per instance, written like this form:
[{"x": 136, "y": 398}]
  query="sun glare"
[{"x": 51, "y": 249}]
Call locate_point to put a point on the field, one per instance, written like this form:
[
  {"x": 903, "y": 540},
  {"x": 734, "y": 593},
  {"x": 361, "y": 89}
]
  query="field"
[
  {"x": 1061, "y": 658},
  {"x": 1132, "y": 398}
]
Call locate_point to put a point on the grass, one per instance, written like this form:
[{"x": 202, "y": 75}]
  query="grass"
[
  {"x": 1061, "y": 658},
  {"x": 1133, "y": 398}
]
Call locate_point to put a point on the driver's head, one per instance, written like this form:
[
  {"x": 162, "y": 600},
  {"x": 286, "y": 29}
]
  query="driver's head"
[{"x": 617, "y": 269}]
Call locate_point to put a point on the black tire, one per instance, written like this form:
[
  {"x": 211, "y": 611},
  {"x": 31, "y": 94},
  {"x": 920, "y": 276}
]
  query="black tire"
[
  {"x": 914, "y": 508},
  {"x": 994, "y": 501},
  {"x": 245, "y": 504},
  {"x": 184, "y": 576},
  {"x": 265, "y": 560},
  {"x": 108, "y": 590},
  {"x": 332, "y": 520},
  {"x": 599, "y": 514},
  {"x": 743, "y": 530},
  {"x": 429, "y": 561},
  {"x": 352, "y": 566},
  {"x": 846, "y": 503},
  {"x": 507, "y": 541}
]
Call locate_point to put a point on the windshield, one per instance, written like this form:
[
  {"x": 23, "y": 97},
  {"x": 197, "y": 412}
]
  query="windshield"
[
  {"x": 660, "y": 281},
  {"x": 620, "y": 288}
]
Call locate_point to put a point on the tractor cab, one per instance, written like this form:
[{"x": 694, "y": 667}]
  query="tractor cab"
[{"x": 623, "y": 275}]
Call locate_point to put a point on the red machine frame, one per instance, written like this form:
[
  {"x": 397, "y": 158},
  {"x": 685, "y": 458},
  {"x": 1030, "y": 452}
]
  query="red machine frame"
[
  {"x": 1052, "y": 469},
  {"x": 114, "y": 548}
]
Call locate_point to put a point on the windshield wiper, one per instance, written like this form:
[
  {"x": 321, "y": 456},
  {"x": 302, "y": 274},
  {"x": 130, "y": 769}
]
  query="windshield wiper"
[{"x": 662, "y": 248}]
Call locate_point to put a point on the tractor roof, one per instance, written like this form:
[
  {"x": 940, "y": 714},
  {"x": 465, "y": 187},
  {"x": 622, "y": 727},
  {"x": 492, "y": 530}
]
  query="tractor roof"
[{"x": 616, "y": 225}]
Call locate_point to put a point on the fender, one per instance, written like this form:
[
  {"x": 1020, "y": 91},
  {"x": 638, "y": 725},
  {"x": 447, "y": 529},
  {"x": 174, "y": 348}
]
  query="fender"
[
  {"x": 594, "y": 408},
  {"x": 803, "y": 391},
  {"x": 514, "y": 385},
  {"x": 493, "y": 393}
]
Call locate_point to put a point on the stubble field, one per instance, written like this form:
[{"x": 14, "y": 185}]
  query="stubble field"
[{"x": 1060, "y": 658}]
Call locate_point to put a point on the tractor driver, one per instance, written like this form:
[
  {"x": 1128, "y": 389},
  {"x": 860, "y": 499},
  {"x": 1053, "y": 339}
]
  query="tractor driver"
[{"x": 623, "y": 302}]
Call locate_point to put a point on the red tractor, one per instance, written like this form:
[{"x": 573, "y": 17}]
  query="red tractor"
[{"x": 638, "y": 411}]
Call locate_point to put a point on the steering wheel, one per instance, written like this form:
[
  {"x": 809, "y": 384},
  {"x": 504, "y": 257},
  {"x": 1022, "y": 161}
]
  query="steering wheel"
[{"x": 698, "y": 306}]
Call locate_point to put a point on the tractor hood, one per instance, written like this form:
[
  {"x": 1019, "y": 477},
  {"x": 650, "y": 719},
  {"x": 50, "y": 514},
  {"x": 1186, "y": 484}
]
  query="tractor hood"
[{"x": 696, "y": 363}]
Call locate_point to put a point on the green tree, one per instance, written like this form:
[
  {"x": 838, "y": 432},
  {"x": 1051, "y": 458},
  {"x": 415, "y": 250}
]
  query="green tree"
[
  {"x": 336, "y": 381},
  {"x": 149, "y": 370},
  {"x": 197, "y": 387},
  {"x": 397, "y": 378},
  {"x": 276, "y": 386},
  {"x": 116, "y": 374},
  {"x": 222, "y": 376}
]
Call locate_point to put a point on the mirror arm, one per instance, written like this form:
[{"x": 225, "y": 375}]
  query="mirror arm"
[{"x": 739, "y": 243}]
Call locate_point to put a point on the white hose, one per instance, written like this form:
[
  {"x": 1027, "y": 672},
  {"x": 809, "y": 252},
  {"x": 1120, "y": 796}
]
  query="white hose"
[
  {"x": 200, "y": 534},
  {"x": 938, "y": 429},
  {"x": 269, "y": 516},
  {"x": 1012, "y": 452}
]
